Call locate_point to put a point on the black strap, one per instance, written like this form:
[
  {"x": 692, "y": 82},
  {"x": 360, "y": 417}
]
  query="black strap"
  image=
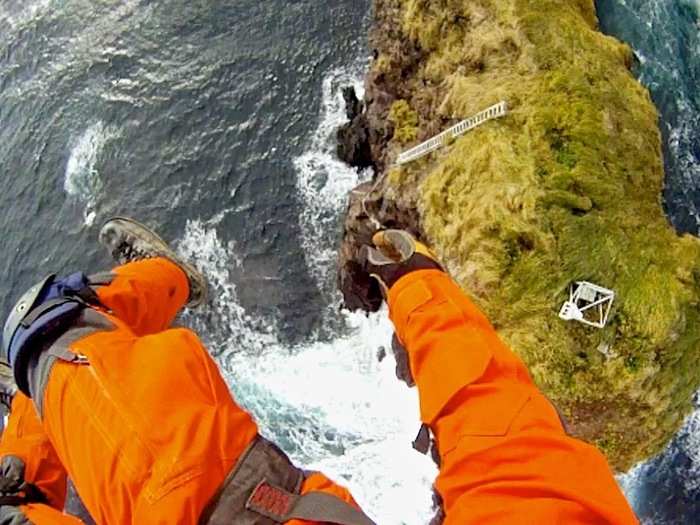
[
  {"x": 42, "y": 309},
  {"x": 25, "y": 494},
  {"x": 422, "y": 441},
  {"x": 86, "y": 296}
]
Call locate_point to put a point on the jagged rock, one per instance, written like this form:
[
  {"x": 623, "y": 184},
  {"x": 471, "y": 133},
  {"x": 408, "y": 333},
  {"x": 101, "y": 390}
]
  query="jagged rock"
[
  {"x": 353, "y": 138},
  {"x": 368, "y": 206},
  {"x": 353, "y": 143},
  {"x": 353, "y": 105}
]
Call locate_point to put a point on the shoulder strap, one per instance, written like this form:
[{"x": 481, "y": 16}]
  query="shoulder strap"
[
  {"x": 264, "y": 489},
  {"x": 281, "y": 506}
]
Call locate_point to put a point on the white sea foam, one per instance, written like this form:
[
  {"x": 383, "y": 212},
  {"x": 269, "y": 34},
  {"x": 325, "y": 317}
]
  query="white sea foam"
[
  {"x": 201, "y": 245},
  {"x": 323, "y": 181},
  {"x": 372, "y": 416},
  {"x": 684, "y": 474},
  {"x": 82, "y": 180},
  {"x": 331, "y": 405}
]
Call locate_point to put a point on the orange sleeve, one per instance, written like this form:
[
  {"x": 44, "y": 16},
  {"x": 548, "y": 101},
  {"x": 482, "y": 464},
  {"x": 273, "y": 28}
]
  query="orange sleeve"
[
  {"x": 25, "y": 439},
  {"x": 45, "y": 515},
  {"x": 505, "y": 457}
]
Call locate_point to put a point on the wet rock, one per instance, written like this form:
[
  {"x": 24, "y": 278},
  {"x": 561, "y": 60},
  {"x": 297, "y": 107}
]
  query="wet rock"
[
  {"x": 369, "y": 209},
  {"x": 354, "y": 137},
  {"x": 353, "y": 143},
  {"x": 353, "y": 106}
]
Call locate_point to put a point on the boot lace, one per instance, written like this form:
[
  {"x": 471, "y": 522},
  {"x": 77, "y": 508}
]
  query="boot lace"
[{"x": 127, "y": 252}]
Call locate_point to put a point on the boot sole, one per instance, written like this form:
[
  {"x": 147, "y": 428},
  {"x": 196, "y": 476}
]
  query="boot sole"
[{"x": 147, "y": 235}]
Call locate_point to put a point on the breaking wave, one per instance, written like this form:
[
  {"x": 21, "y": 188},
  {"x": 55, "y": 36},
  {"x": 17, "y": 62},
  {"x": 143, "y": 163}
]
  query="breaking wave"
[
  {"x": 663, "y": 491},
  {"x": 323, "y": 181},
  {"x": 82, "y": 179}
]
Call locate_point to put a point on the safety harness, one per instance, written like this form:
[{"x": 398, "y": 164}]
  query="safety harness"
[
  {"x": 264, "y": 489},
  {"x": 14, "y": 490},
  {"x": 13, "y": 496},
  {"x": 45, "y": 312}
]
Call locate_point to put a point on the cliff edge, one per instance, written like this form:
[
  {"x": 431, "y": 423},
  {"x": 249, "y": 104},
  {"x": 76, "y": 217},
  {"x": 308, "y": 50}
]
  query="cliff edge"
[{"x": 566, "y": 187}]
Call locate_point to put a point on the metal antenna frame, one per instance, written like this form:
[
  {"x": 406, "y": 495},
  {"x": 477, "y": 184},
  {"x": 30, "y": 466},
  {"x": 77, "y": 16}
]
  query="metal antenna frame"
[{"x": 586, "y": 297}]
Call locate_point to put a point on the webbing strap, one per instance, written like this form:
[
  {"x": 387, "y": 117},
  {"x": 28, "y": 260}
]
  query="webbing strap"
[
  {"x": 319, "y": 506},
  {"x": 22, "y": 495},
  {"x": 43, "y": 308},
  {"x": 280, "y": 505}
]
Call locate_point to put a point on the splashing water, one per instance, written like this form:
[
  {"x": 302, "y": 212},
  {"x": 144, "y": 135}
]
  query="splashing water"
[
  {"x": 330, "y": 404},
  {"x": 664, "y": 491},
  {"x": 666, "y": 37},
  {"x": 323, "y": 181},
  {"x": 82, "y": 180}
]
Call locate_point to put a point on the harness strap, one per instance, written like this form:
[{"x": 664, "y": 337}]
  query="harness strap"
[
  {"x": 40, "y": 310},
  {"x": 281, "y": 506},
  {"x": 13, "y": 494},
  {"x": 264, "y": 489}
]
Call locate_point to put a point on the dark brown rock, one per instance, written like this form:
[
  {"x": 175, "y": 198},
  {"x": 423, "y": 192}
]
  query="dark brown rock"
[
  {"x": 353, "y": 143},
  {"x": 368, "y": 211},
  {"x": 353, "y": 106}
]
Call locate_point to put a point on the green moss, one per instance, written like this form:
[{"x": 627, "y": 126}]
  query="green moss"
[
  {"x": 405, "y": 121},
  {"x": 566, "y": 187}
]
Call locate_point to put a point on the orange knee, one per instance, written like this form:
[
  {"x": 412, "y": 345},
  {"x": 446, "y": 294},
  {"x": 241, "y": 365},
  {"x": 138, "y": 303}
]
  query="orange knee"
[
  {"x": 147, "y": 428},
  {"x": 146, "y": 295}
]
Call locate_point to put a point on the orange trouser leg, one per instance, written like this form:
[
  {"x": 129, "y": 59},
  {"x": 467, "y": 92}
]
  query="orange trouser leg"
[
  {"x": 25, "y": 444},
  {"x": 148, "y": 430},
  {"x": 25, "y": 439},
  {"x": 505, "y": 457},
  {"x": 146, "y": 295}
]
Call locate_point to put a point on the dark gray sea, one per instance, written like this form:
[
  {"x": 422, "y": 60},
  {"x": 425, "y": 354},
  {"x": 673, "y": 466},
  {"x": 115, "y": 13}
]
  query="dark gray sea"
[{"x": 214, "y": 122}]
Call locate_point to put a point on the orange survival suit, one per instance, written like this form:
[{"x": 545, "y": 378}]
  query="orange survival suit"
[{"x": 145, "y": 426}]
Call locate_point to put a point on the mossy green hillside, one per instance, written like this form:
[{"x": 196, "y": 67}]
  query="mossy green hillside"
[{"x": 566, "y": 187}]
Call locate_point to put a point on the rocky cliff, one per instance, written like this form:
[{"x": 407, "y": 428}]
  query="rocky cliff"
[{"x": 566, "y": 187}]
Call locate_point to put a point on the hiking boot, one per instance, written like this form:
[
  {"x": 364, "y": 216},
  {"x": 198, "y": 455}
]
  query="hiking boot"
[
  {"x": 8, "y": 387},
  {"x": 128, "y": 241}
]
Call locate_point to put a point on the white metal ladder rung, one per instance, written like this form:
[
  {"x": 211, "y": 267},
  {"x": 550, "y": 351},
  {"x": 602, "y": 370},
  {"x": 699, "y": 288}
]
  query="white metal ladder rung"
[{"x": 430, "y": 145}]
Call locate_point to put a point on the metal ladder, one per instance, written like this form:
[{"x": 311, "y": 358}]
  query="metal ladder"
[{"x": 495, "y": 111}]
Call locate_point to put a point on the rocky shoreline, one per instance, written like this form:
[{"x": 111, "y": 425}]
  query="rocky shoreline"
[{"x": 567, "y": 187}]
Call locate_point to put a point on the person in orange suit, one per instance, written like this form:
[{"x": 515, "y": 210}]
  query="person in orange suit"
[
  {"x": 33, "y": 483},
  {"x": 503, "y": 453},
  {"x": 138, "y": 412},
  {"x": 143, "y": 422}
]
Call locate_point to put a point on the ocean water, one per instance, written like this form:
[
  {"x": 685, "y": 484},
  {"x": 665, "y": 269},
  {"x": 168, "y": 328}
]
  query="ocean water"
[
  {"x": 665, "y": 35},
  {"x": 214, "y": 122}
]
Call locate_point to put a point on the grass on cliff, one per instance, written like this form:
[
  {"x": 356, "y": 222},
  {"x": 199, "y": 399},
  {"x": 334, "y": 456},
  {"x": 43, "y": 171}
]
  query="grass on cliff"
[
  {"x": 405, "y": 121},
  {"x": 566, "y": 187}
]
